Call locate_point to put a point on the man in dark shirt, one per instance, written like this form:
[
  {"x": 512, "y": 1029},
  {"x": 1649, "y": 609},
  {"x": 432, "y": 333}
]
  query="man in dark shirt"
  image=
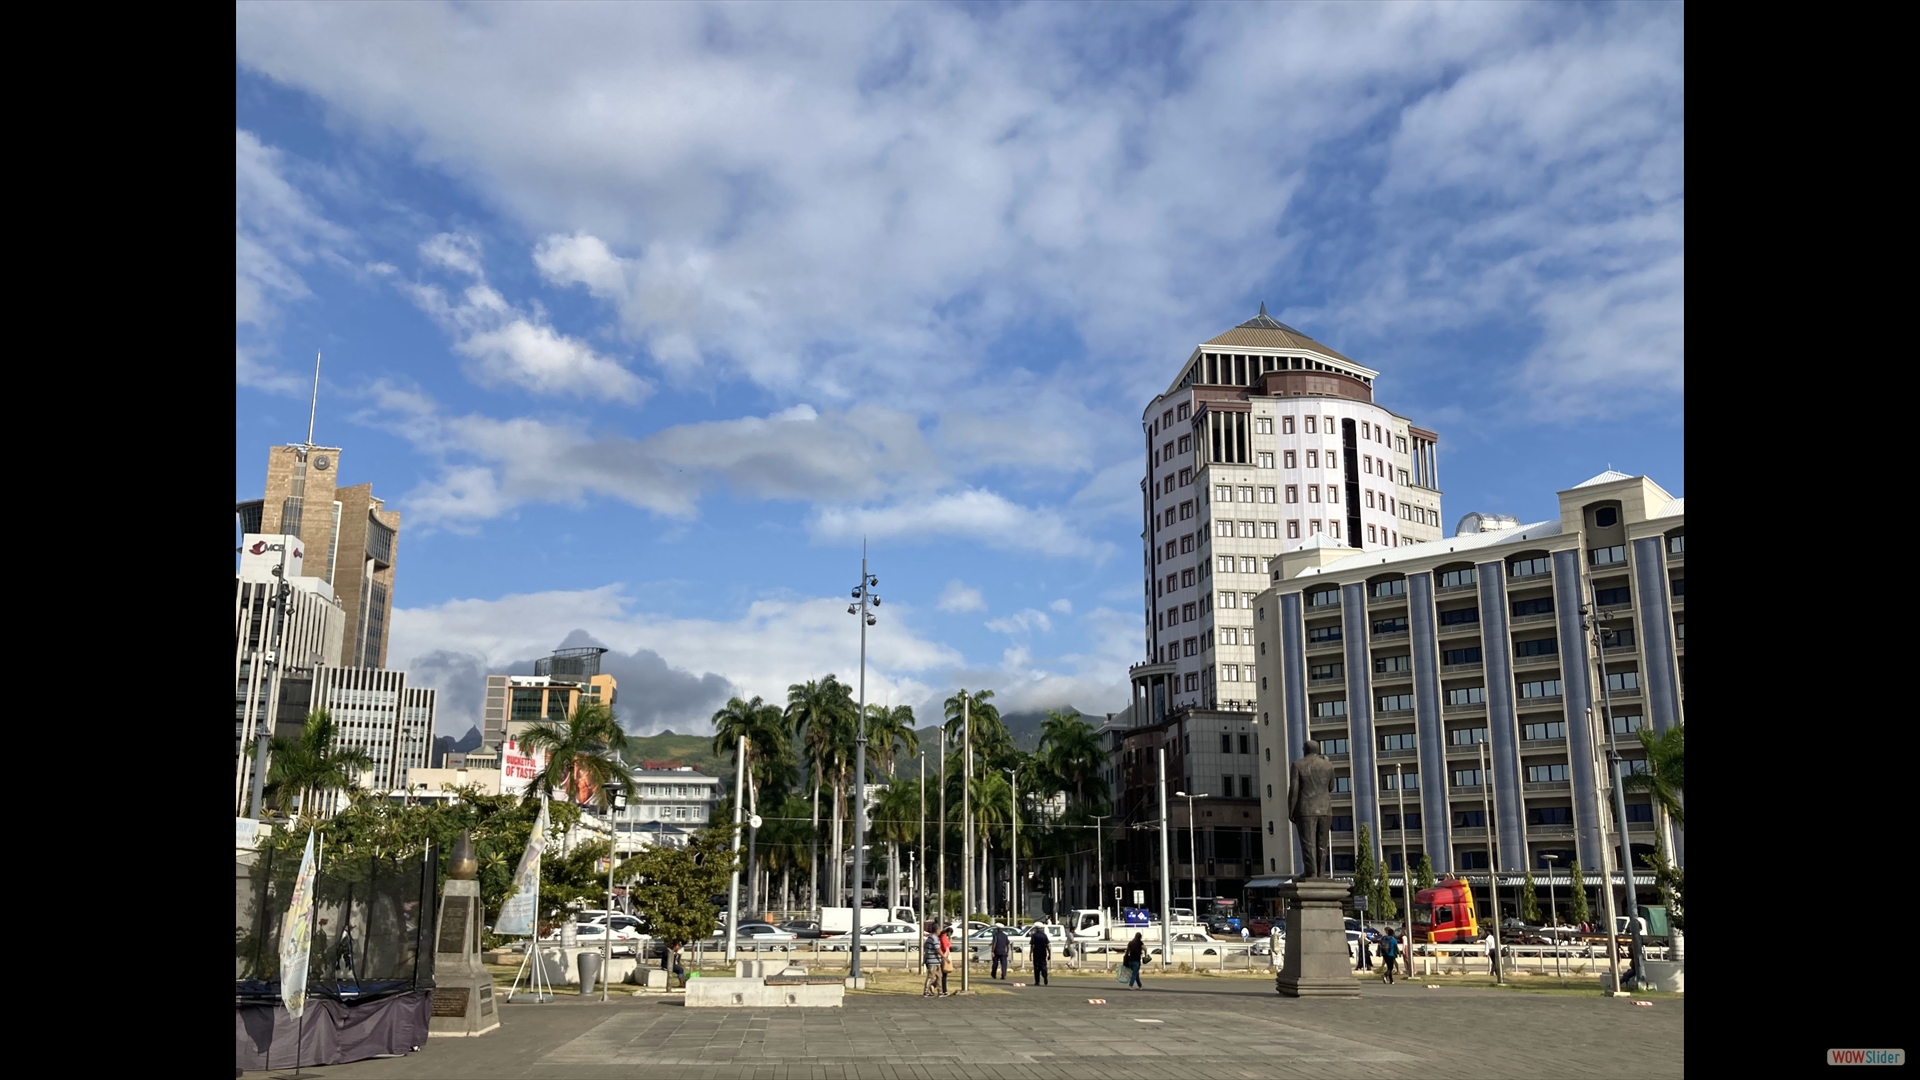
[{"x": 1042, "y": 954}]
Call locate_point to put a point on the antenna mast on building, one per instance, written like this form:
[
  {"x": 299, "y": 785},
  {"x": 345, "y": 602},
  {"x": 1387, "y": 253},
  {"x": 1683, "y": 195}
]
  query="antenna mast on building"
[{"x": 314, "y": 410}]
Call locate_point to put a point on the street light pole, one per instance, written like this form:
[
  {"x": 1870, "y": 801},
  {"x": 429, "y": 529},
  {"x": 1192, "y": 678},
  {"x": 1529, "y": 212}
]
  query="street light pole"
[
  {"x": 1493, "y": 862},
  {"x": 1099, "y": 859},
  {"x": 739, "y": 801},
  {"x": 862, "y": 592},
  {"x": 966, "y": 839},
  {"x": 920, "y": 842},
  {"x": 1596, "y": 621},
  {"x": 1166, "y": 871},
  {"x": 1013, "y": 848},
  {"x": 940, "y": 876},
  {"x": 1406, "y": 868},
  {"x": 1193, "y": 850},
  {"x": 1553, "y": 916}
]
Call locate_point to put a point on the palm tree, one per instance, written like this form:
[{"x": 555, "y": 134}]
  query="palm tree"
[
  {"x": 989, "y": 732},
  {"x": 1071, "y": 752},
  {"x": 769, "y": 763},
  {"x": 583, "y": 755},
  {"x": 824, "y": 715},
  {"x": 992, "y": 803},
  {"x": 1665, "y": 778},
  {"x": 310, "y": 765},
  {"x": 890, "y": 736},
  {"x": 897, "y": 821}
]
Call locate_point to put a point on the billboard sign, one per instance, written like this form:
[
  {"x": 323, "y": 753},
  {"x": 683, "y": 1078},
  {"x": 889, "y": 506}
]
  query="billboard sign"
[{"x": 518, "y": 768}]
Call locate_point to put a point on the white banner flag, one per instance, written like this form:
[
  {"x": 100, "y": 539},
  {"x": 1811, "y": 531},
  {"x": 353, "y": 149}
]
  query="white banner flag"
[
  {"x": 296, "y": 940},
  {"x": 519, "y": 913}
]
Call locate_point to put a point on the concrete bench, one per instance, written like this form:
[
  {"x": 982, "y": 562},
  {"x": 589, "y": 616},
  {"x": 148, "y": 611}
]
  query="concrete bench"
[
  {"x": 757, "y": 994},
  {"x": 805, "y": 980}
]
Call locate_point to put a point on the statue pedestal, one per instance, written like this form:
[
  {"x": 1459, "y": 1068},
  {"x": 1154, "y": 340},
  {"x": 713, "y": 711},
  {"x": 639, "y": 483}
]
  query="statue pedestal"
[
  {"x": 1317, "y": 964},
  {"x": 463, "y": 1002}
]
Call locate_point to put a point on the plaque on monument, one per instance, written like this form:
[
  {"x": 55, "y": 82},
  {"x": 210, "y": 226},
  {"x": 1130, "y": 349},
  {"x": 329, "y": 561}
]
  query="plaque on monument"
[{"x": 463, "y": 993}]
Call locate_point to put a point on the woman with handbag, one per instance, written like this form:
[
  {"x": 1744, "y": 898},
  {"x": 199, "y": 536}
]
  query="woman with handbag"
[
  {"x": 1136, "y": 956},
  {"x": 946, "y": 958}
]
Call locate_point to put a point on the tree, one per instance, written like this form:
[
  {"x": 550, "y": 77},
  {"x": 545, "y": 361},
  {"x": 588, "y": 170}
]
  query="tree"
[
  {"x": 1670, "y": 880},
  {"x": 896, "y": 821},
  {"x": 1665, "y": 778},
  {"x": 891, "y": 736},
  {"x": 1070, "y": 751},
  {"x": 989, "y": 731},
  {"x": 1423, "y": 874},
  {"x": 1367, "y": 881},
  {"x": 672, "y": 886},
  {"x": 583, "y": 755},
  {"x": 1529, "y": 900},
  {"x": 771, "y": 758},
  {"x": 1581, "y": 912},
  {"x": 825, "y": 716},
  {"x": 311, "y": 765}
]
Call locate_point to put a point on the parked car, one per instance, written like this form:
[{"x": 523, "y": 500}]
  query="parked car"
[
  {"x": 877, "y": 936},
  {"x": 1261, "y": 925},
  {"x": 592, "y": 934},
  {"x": 762, "y": 933},
  {"x": 601, "y": 918},
  {"x": 802, "y": 929},
  {"x": 1222, "y": 927}
]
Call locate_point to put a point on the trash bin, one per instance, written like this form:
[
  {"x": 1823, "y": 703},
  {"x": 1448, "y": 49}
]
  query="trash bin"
[{"x": 589, "y": 971}]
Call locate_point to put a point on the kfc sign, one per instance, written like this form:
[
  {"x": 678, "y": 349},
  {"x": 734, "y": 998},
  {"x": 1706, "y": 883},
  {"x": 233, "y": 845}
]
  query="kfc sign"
[{"x": 518, "y": 768}]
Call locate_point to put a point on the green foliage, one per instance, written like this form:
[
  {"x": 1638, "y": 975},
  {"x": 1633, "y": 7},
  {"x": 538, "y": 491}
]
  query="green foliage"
[
  {"x": 1581, "y": 912},
  {"x": 1670, "y": 880},
  {"x": 583, "y": 755},
  {"x": 672, "y": 886},
  {"x": 1070, "y": 758},
  {"x": 1666, "y": 775},
  {"x": 1422, "y": 874},
  {"x": 1366, "y": 880},
  {"x": 1529, "y": 900},
  {"x": 954, "y": 897},
  {"x": 983, "y": 716},
  {"x": 311, "y": 766},
  {"x": 771, "y": 755}
]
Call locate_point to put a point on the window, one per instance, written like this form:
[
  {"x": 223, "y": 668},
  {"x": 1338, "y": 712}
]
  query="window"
[
  {"x": 1613, "y": 597},
  {"x": 1193, "y": 646},
  {"x": 1542, "y": 688},
  {"x": 1186, "y": 444},
  {"x": 1173, "y": 582},
  {"x": 1193, "y": 681},
  {"x": 1556, "y": 815},
  {"x": 1225, "y": 564},
  {"x": 1343, "y": 784},
  {"x": 1454, "y": 579},
  {"x": 1320, "y": 634},
  {"x": 1263, "y": 426},
  {"x": 1310, "y": 431},
  {"x": 1618, "y": 639},
  {"x": 1639, "y": 811},
  {"x": 1467, "y": 695},
  {"x": 1286, "y": 425},
  {"x": 1330, "y": 708},
  {"x": 1229, "y": 673},
  {"x": 1679, "y": 587},
  {"x": 1677, "y": 545},
  {"x": 1606, "y": 517},
  {"x": 1326, "y": 597},
  {"x": 1166, "y": 452},
  {"x": 1370, "y": 537},
  {"x": 1166, "y": 419},
  {"x": 1397, "y": 742},
  {"x": 1325, "y": 671},
  {"x": 1313, "y": 526},
  {"x": 1333, "y": 746},
  {"x": 1248, "y": 565},
  {"x": 1246, "y": 529},
  {"x": 1397, "y": 703},
  {"x": 1541, "y": 606},
  {"x": 1293, "y": 493},
  {"x": 1530, "y": 567},
  {"x": 1223, "y": 493},
  {"x": 1223, "y": 528},
  {"x": 1333, "y": 496},
  {"x": 1190, "y": 612},
  {"x": 1546, "y": 774},
  {"x": 1394, "y": 587},
  {"x": 1413, "y": 781},
  {"x": 1186, "y": 578},
  {"x": 1246, "y": 787},
  {"x": 1183, "y": 412},
  {"x": 1556, "y": 729},
  {"x": 1333, "y": 527},
  {"x": 1246, "y": 494},
  {"x": 1469, "y": 819},
  {"x": 1264, "y": 461},
  {"x": 1227, "y": 599},
  {"x": 1267, "y": 495},
  {"x": 1293, "y": 528},
  {"x": 1330, "y": 430},
  {"x": 1400, "y": 443},
  {"x": 1467, "y": 736},
  {"x": 1634, "y": 766},
  {"x": 1623, "y": 680},
  {"x": 1186, "y": 510},
  {"x": 1469, "y": 655},
  {"x": 1395, "y": 625},
  {"x": 1290, "y": 459},
  {"x": 1627, "y": 725},
  {"x": 1388, "y": 664},
  {"x": 1341, "y": 823},
  {"x": 1460, "y": 616},
  {"x": 1467, "y": 859},
  {"x": 1370, "y": 506},
  {"x": 1537, "y": 647},
  {"x": 1313, "y": 459},
  {"x": 1226, "y": 743},
  {"x": 1607, "y": 556},
  {"x": 1186, "y": 542}
]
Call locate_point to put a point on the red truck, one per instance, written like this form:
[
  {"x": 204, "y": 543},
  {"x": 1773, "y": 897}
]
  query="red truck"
[{"x": 1444, "y": 915}]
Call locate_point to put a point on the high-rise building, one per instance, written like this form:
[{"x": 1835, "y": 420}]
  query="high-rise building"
[
  {"x": 351, "y": 539},
  {"x": 559, "y": 684},
  {"x": 1265, "y": 442},
  {"x": 275, "y": 651},
  {"x": 1408, "y": 665},
  {"x": 375, "y": 711}
]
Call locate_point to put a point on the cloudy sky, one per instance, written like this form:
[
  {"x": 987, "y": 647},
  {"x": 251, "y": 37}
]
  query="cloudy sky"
[{"x": 644, "y": 315}]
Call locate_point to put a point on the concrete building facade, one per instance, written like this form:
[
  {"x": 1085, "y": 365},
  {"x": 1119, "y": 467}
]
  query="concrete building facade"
[{"x": 1408, "y": 663}]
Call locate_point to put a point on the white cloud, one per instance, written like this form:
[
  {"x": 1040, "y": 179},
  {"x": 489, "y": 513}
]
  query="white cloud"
[
  {"x": 1021, "y": 622},
  {"x": 774, "y": 643},
  {"x": 509, "y": 347},
  {"x": 959, "y": 596},
  {"x": 1063, "y": 605},
  {"x": 974, "y": 514},
  {"x": 1093, "y": 680},
  {"x": 276, "y": 230}
]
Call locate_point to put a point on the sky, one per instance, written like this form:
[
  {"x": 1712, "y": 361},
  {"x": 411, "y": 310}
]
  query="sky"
[{"x": 645, "y": 317}]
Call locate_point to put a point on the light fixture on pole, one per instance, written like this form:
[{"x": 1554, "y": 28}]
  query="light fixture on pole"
[
  {"x": 1099, "y": 860},
  {"x": 1193, "y": 851},
  {"x": 1406, "y": 868},
  {"x": 1596, "y": 621},
  {"x": 862, "y": 592},
  {"x": 920, "y": 840},
  {"x": 617, "y": 799},
  {"x": 1013, "y": 847},
  {"x": 1553, "y": 916},
  {"x": 966, "y": 839}
]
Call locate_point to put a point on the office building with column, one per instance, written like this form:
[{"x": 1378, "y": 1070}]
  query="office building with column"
[
  {"x": 375, "y": 711},
  {"x": 1265, "y": 442},
  {"x": 559, "y": 684},
  {"x": 1411, "y": 662}
]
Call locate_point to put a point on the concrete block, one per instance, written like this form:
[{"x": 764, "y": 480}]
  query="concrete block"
[
  {"x": 1667, "y": 976},
  {"x": 649, "y": 978},
  {"x": 756, "y": 994}
]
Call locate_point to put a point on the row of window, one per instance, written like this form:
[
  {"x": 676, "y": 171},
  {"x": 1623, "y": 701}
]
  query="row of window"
[{"x": 1243, "y": 564}]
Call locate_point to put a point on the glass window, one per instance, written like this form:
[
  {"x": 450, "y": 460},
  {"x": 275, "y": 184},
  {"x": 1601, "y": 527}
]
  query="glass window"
[
  {"x": 1470, "y": 655},
  {"x": 1310, "y": 431},
  {"x": 1413, "y": 781},
  {"x": 1467, "y": 695},
  {"x": 1403, "y": 741},
  {"x": 1263, "y": 426},
  {"x": 1333, "y": 746},
  {"x": 1325, "y": 671},
  {"x": 1395, "y": 625},
  {"x": 1639, "y": 811},
  {"x": 1607, "y": 556},
  {"x": 1460, "y": 616},
  {"x": 1537, "y": 647},
  {"x": 1286, "y": 425},
  {"x": 1319, "y": 634},
  {"x": 1529, "y": 567},
  {"x": 1470, "y": 819},
  {"x": 1223, "y": 493},
  {"x": 1388, "y": 664},
  {"x": 1243, "y": 744},
  {"x": 1677, "y": 545},
  {"x": 1541, "y": 606},
  {"x": 1623, "y": 680},
  {"x": 1343, "y": 783},
  {"x": 1679, "y": 586},
  {"x": 1543, "y": 688},
  {"x": 1330, "y": 708},
  {"x": 1395, "y": 587},
  {"x": 1555, "y": 729},
  {"x": 1396, "y": 703},
  {"x": 1455, "y": 578},
  {"x": 1467, "y": 736},
  {"x": 1342, "y": 823},
  {"x": 1291, "y": 460},
  {"x": 1556, "y": 815},
  {"x": 1333, "y": 494},
  {"x": 1546, "y": 774},
  {"x": 1293, "y": 528},
  {"x": 1267, "y": 495},
  {"x": 1323, "y": 597}
]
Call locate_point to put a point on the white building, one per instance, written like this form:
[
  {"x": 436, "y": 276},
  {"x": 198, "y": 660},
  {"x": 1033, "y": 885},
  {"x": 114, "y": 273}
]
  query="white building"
[
  {"x": 375, "y": 711},
  {"x": 670, "y": 806},
  {"x": 275, "y": 653}
]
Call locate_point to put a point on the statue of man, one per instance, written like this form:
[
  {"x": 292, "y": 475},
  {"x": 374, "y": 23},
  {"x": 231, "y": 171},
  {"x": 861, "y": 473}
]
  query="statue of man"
[{"x": 1310, "y": 805}]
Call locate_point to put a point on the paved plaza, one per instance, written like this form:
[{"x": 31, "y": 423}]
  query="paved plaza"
[{"x": 1176, "y": 1028}]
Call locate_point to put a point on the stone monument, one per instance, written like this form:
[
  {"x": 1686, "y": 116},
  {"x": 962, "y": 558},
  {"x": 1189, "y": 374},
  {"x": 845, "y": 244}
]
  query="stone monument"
[
  {"x": 463, "y": 1001},
  {"x": 1316, "y": 964}
]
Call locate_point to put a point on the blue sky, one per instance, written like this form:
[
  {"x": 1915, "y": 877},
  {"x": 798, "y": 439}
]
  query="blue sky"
[{"x": 643, "y": 315}]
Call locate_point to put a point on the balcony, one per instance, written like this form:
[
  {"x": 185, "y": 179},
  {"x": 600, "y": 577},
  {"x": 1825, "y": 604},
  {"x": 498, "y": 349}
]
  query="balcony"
[
  {"x": 1536, "y": 661},
  {"x": 1396, "y": 755},
  {"x": 1392, "y": 677},
  {"x": 1325, "y": 646},
  {"x": 1461, "y": 710},
  {"x": 1392, "y": 714},
  {"x": 1535, "y": 788},
  {"x": 1326, "y": 680},
  {"x": 1539, "y": 619},
  {"x": 1465, "y": 750},
  {"x": 1550, "y": 701},
  {"x": 1458, "y": 629},
  {"x": 1383, "y": 601},
  {"x": 1542, "y": 744},
  {"x": 1387, "y": 635},
  {"x": 1469, "y": 830},
  {"x": 1462, "y": 669},
  {"x": 1456, "y": 590},
  {"x": 1324, "y": 605},
  {"x": 1549, "y": 832},
  {"x": 1540, "y": 576}
]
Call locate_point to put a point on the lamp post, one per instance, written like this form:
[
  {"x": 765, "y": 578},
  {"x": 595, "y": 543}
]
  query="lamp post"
[
  {"x": 862, "y": 592},
  {"x": 1099, "y": 859},
  {"x": 1493, "y": 861},
  {"x": 920, "y": 842},
  {"x": 1596, "y": 621},
  {"x": 1553, "y": 916},
  {"x": 1193, "y": 850},
  {"x": 1406, "y": 868},
  {"x": 966, "y": 839},
  {"x": 618, "y": 800},
  {"x": 940, "y": 875},
  {"x": 1013, "y": 847}
]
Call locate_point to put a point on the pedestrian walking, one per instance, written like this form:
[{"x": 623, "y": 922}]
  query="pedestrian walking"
[
  {"x": 1136, "y": 956},
  {"x": 1390, "y": 952},
  {"x": 946, "y": 958},
  {"x": 1406, "y": 950},
  {"x": 1001, "y": 947},
  {"x": 1493, "y": 953},
  {"x": 1042, "y": 954},
  {"x": 930, "y": 957}
]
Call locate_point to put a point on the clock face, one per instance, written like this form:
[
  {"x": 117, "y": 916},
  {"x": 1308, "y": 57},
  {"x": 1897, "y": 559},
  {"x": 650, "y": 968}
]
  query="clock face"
[{"x": 322, "y": 463}]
